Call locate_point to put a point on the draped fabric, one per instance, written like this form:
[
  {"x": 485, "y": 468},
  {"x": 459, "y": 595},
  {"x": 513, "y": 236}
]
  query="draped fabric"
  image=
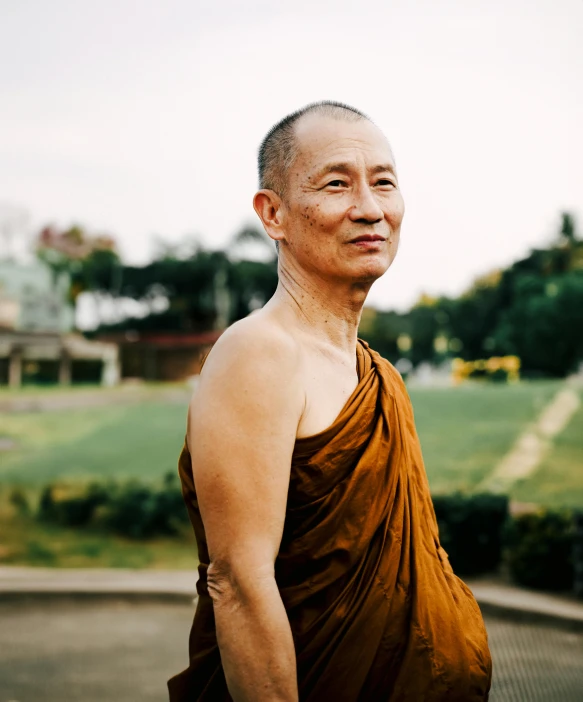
[{"x": 376, "y": 612}]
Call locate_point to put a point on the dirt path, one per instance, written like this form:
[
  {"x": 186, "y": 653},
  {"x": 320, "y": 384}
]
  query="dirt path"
[{"x": 533, "y": 444}]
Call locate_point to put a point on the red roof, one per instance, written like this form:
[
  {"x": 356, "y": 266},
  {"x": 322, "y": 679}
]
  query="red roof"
[{"x": 165, "y": 338}]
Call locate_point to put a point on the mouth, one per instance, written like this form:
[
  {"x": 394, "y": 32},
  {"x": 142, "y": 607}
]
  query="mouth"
[
  {"x": 369, "y": 242},
  {"x": 367, "y": 238}
]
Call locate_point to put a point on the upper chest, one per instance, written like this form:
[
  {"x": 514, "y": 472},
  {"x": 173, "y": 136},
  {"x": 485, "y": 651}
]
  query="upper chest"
[{"x": 327, "y": 384}]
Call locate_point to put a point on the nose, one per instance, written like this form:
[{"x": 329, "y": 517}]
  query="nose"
[{"x": 366, "y": 209}]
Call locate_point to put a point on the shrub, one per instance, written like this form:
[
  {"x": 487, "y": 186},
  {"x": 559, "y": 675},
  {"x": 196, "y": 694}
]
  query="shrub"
[
  {"x": 140, "y": 511},
  {"x": 540, "y": 550},
  {"x": 470, "y": 530},
  {"x": 130, "y": 509},
  {"x": 19, "y": 500},
  {"x": 71, "y": 505}
]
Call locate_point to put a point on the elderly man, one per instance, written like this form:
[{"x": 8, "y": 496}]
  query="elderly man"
[{"x": 321, "y": 573}]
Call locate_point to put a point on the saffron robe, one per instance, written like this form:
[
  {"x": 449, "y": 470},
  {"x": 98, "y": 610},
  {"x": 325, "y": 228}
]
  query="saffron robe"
[{"x": 376, "y": 612}]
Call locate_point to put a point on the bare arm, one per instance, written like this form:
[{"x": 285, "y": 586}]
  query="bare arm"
[{"x": 241, "y": 432}]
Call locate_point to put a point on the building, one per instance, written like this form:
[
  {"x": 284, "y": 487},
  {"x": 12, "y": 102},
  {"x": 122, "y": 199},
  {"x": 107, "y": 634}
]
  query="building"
[
  {"x": 161, "y": 356},
  {"x": 37, "y": 344}
]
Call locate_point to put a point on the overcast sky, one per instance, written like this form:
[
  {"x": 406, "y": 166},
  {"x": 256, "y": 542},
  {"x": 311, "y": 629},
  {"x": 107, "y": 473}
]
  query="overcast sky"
[{"x": 143, "y": 118}]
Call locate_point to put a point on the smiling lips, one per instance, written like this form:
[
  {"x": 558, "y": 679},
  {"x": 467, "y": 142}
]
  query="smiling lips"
[{"x": 367, "y": 238}]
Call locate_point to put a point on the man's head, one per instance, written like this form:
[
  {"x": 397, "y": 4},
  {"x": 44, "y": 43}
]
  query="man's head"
[
  {"x": 327, "y": 177},
  {"x": 279, "y": 148}
]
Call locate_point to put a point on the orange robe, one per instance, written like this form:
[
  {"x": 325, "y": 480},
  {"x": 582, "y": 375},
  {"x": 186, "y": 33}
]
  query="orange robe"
[{"x": 376, "y": 612}]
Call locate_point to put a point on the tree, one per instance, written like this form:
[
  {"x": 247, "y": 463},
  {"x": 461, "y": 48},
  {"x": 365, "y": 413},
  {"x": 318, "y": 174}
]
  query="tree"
[{"x": 91, "y": 262}]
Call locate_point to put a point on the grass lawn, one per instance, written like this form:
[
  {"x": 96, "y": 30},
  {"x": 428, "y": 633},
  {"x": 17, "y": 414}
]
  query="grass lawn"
[
  {"x": 125, "y": 441},
  {"x": 465, "y": 431},
  {"x": 26, "y": 542},
  {"x": 558, "y": 482}
]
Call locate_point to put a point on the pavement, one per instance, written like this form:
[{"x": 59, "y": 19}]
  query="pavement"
[
  {"x": 97, "y": 635},
  {"x": 76, "y": 398},
  {"x": 494, "y": 597},
  {"x": 21, "y": 582}
]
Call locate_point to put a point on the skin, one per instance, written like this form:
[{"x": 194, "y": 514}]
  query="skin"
[{"x": 286, "y": 372}]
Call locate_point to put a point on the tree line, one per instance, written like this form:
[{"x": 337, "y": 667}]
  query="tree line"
[{"x": 532, "y": 309}]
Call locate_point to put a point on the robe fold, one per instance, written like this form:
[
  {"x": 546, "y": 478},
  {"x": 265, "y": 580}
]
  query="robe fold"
[{"x": 376, "y": 612}]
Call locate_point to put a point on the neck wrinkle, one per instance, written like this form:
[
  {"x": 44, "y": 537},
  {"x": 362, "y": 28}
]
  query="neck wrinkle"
[{"x": 324, "y": 310}]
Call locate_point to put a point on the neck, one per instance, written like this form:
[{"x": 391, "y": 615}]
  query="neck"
[{"x": 328, "y": 310}]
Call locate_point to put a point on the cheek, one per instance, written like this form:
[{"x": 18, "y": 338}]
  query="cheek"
[
  {"x": 315, "y": 219},
  {"x": 396, "y": 210}
]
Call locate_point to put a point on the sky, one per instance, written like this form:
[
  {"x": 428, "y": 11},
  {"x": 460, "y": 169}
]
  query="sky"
[{"x": 142, "y": 119}]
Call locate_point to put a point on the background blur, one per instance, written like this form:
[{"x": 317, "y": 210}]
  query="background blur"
[{"x": 128, "y": 243}]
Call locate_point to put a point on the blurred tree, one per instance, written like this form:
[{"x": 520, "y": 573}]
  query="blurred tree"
[
  {"x": 91, "y": 262},
  {"x": 251, "y": 241},
  {"x": 205, "y": 291},
  {"x": 533, "y": 309},
  {"x": 423, "y": 327},
  {"x": 544, "y": 325},
  {"x": 470, "y": 320},
  {"x": 382, "y": 331}
]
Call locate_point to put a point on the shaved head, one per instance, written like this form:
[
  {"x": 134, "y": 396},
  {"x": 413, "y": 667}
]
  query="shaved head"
[{"x": 279, "y": 148}]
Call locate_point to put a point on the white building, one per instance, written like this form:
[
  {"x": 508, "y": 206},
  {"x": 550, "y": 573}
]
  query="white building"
[{"x": 37, "y": 343}]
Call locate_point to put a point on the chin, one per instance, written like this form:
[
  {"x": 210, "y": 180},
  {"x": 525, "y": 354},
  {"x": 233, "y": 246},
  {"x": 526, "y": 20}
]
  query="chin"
[{"x": 373, "y": 268}]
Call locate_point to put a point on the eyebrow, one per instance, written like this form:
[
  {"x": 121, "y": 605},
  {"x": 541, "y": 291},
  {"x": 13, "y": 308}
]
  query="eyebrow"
[{"x": 347, "y": 167}]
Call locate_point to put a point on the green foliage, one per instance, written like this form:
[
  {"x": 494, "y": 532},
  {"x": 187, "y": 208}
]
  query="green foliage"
[
  {"x": 91, "y": 262},
  {"x": 141, "y": 511},
  {"x": 191, "y": 287},
  {"x": 129, "y": 509},
  {"x": 544, "y": 325},
  {"x": 19, "y": 500},
  {"x": 533, "y": 309},
  {"x": 540, "y": 550},
  {"x": 470, "y": 530},
  {"x": 381, "y": 330},
  {"x": 71, "y": 506}
]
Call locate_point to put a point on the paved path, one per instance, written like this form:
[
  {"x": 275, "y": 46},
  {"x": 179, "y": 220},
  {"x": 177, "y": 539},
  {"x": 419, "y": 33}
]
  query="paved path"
[
  {"x": 16, "y": 581},
  {"x": 494, "y": 597},
  {"x": 124, "y": 651},
  {"x": 76, "y": 398}
]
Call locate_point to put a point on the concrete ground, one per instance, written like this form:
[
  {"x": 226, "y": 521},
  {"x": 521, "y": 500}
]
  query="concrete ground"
[{"x": 124, "y": 650}]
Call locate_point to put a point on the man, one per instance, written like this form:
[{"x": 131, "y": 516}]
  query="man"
[{"x": 321, "y": 573}]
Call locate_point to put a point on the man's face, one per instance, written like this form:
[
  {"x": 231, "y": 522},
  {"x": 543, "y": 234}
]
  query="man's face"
[{"x": 343, "y": 207}]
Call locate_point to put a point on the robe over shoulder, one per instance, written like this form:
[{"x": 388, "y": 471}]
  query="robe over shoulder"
[{"x": 376, "y": 612}]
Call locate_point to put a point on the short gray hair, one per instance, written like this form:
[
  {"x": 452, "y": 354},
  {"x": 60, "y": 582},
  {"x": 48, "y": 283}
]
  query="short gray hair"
[{"x": 279, "y": 148}]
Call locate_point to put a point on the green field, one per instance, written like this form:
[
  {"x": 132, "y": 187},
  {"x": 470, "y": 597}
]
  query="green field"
[
  {"x": 24, "y": 541},
  {"x": 132, "y": 441},
  {"x": 559, "y": 478},
  {"x": 464, "y": 432}
]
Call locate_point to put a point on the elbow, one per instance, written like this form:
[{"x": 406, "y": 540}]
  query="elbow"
[
  {"x": 231, "y": 585},
  {"x": 220, "y": 582}
]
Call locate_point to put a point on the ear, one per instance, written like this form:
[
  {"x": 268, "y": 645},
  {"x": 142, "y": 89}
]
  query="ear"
[{"x": 270, "y": 210}]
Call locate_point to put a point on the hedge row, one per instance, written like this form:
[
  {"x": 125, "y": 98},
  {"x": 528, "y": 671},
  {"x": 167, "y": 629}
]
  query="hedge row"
[
  {"x": 541, "y": 550},
  {"x": 129, "y": 509}
]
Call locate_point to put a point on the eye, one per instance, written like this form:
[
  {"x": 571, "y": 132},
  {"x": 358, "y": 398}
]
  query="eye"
[
  {"x": 385, "y": 183},
  {"x": 337, "y": 183}
]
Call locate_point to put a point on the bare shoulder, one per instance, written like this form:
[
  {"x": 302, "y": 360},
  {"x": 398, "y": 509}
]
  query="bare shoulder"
[
  {"x": 255, "y": 342},
  {"x": 255, "y": 358}
]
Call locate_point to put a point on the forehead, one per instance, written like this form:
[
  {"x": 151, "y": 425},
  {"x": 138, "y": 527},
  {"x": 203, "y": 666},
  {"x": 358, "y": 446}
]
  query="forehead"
[{"x": 322, "y": 140}]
